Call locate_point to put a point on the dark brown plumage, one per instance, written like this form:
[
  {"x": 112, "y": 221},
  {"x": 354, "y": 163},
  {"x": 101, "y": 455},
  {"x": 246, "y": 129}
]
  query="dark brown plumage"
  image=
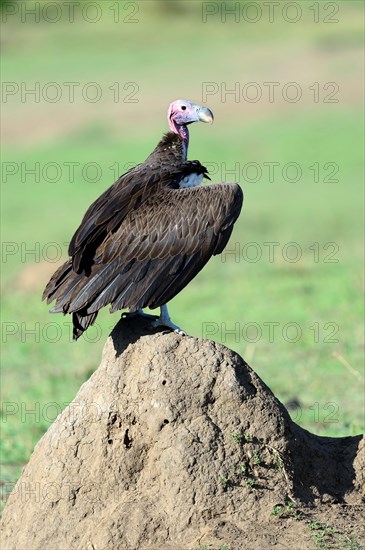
[{"x": 145, "y": 238}]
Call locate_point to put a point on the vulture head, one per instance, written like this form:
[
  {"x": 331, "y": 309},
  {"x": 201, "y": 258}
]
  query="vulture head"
[{"x": 181, "y": 113}]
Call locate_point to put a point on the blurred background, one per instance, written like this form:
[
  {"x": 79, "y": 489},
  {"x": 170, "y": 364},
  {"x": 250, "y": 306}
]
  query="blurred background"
[{"x": 85, "y": 90}]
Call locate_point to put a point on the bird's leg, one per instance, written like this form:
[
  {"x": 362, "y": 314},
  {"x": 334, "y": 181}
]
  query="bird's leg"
[
  {"x": 165, "y": 321},
  {"x": 138, "y": 312}
]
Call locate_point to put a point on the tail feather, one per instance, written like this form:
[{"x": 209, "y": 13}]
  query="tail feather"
[
  {"x": 60, "y": 288},
  {"x": 81, "y": 321},
  {"x": 57, "y": 279}
]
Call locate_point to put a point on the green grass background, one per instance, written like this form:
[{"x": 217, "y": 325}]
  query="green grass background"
[{"x": 169, "y": 53}]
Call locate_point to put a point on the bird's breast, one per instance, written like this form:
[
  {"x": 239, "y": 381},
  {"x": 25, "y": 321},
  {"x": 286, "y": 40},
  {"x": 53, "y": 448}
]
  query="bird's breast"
[{"x": 192, "y": 180}]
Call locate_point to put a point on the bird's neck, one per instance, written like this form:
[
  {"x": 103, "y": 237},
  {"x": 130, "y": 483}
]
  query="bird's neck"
[
  {"x": 183, "y": 132},
  {"x": 171, "y": 145},
  {"x": 185, "y": 145}
]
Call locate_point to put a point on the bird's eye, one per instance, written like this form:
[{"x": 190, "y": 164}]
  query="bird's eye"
[{"x": 183, "y": 107}]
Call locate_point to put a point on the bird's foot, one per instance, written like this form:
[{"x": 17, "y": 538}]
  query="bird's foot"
[
  {"x": 156, "y": 322},
  {"x": 165, "y": 321},
  {"x": 159, "y": 322}
]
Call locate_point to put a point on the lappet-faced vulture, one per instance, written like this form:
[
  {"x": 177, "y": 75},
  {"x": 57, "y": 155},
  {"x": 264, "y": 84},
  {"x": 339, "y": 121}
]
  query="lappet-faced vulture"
[{"x": 147, "y": 236}]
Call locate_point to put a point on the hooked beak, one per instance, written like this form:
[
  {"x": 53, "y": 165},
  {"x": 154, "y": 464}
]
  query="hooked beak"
[{"x": 205, "y": 115}]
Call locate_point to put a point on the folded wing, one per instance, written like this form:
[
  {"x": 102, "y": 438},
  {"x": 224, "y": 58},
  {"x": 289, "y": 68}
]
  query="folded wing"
[{"x": 143, "y": 253}]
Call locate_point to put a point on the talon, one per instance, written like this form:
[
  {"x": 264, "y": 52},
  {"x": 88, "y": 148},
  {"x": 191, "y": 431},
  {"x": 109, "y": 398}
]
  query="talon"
[
  {"x": 156, "y": 322},
  {"x": 165, "y": 321}
]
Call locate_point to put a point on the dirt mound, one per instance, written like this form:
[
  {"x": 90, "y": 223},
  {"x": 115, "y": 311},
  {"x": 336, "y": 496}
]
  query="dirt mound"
[{"x": 175, "y": 443}]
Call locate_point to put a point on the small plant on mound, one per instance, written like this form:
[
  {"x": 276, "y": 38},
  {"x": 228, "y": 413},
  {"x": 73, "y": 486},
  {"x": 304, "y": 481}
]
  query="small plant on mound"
[
  {"x": 351, "y": 544},
  {"x": 287, "y": 511},
  {"x": 323, "y": 534}
]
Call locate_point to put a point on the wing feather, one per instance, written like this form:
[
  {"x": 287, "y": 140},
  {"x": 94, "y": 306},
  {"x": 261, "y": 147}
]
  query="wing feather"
[
  {"x": 157, "y": 251},
  {"x": 123, "y": 198}
]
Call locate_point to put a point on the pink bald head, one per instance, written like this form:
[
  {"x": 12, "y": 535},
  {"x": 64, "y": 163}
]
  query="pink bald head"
[{"x": 181, "y": 113}]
